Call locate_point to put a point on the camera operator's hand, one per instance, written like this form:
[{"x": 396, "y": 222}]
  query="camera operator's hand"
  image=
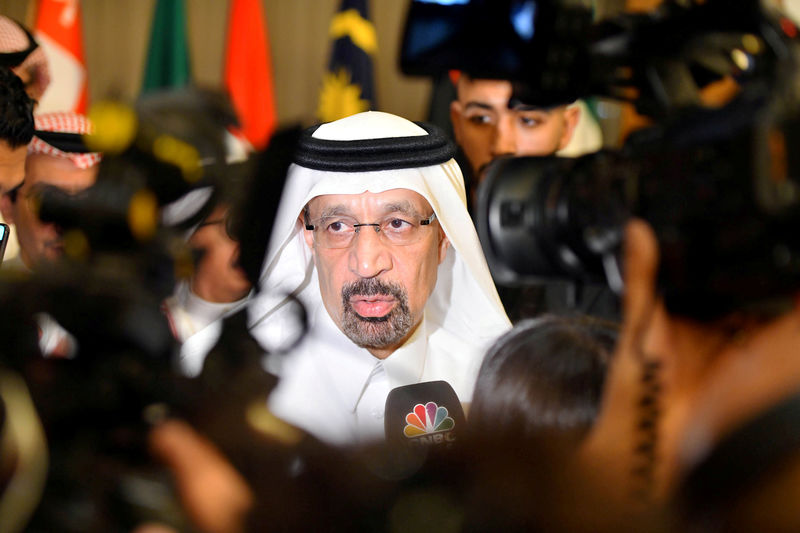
[{"x": 215, "y": 496}]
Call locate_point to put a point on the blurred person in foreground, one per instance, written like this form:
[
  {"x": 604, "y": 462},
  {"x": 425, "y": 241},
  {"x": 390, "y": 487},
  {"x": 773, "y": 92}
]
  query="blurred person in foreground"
[
  {"x": 217, "y": 287},
  {"x": 16, "y": 129},
  {"x": 696, "y": 432},
  {"x": 58, "y": 161},
  {"x": 681, "y": 389},
  {"x": 537, "y": 396},
  {"x": 20, "y": 53},
  {"x": 374, "y": 238},
  {"x": 544, "y": 375}
]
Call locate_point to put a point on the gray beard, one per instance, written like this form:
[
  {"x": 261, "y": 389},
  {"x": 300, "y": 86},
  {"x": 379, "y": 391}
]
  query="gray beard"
[{"x": 375, "y": 332}]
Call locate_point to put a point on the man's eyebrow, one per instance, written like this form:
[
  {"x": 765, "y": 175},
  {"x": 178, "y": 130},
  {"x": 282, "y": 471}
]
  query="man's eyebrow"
[
  {"x": 529, "y": 107},
  {"x": 404, "y": 207},
  {"x": 401, "y": 206},
  {"x": 334, "y": 211},
  {"x": 480, "y": 105}
]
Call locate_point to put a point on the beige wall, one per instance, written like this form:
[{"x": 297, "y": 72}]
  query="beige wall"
[{"x": 116, "y": 33}]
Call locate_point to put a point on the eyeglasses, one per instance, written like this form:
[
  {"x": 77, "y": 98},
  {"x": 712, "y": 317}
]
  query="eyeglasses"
[
  {"x": 227, "y": 222},
  {"x": 339, "y": 231}
]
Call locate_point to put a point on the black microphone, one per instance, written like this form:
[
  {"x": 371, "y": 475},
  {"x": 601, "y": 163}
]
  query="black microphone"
[
  {"x": 423, "y": 415},
  {"x": 421, "y": 424}
]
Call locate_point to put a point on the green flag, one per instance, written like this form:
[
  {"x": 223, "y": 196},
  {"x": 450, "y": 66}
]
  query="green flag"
[{"x": 168, "y": 55}]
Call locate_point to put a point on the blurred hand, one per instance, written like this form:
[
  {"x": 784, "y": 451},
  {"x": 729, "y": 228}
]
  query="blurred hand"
[{"x": 214, "y": 495}]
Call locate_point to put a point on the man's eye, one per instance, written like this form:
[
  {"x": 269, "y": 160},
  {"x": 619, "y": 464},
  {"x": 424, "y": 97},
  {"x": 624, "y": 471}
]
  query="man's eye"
[
  {"x": 337, "y": 226},
  {"x": 397, "y": 224},
  {"x": 530, "y": 122},
  {"x": 480, "y": 119}
]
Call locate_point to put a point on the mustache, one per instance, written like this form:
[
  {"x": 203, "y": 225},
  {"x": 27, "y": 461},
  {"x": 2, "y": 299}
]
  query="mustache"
[{"x": 371, "y": 287}]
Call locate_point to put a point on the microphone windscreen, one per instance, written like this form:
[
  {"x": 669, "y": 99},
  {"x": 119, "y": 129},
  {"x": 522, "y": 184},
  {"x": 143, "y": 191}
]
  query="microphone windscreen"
[{"x": 425, "y": 415}]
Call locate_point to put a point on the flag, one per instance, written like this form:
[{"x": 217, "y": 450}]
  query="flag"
[
  {"x": 168, "y": 54},
  {"x": 59, "y": 30},
  {"x": 347, "y": 86},
  {"x": 248, "y": 71}
]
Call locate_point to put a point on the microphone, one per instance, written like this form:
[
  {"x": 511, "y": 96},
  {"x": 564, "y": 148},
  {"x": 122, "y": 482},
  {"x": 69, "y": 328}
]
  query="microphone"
[
  {"x": 425, "y": 415},
  {"x": 422, "y": 423}
]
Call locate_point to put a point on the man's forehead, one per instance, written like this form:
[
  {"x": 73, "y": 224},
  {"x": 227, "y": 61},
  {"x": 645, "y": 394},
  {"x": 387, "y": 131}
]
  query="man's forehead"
[
  {"x": 12, "y": 165},
  {"x": 58, "y": 171},
  {"x": 403, "y": 199},
  {"x": 487, "y": 91}
]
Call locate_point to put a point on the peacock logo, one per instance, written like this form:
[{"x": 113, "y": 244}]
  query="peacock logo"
[{"x": 427, "y": 419}]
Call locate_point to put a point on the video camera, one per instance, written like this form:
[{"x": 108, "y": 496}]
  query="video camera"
[
  {"x": 164, "y": 169},
  {"x": 719, "y": 185}
]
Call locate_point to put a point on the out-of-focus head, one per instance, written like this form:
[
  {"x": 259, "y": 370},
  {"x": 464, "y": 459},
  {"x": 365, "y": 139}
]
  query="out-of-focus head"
[
  {"x": 488, "y": 122},
  {"x": 543, "y": 378},
  {"x": 537, "y": 395},
  {"x": 16, "y": 129},
  {"x": 56, "y": 160},
  {"x": 20, "y": 52},
  {"x": 218, "y": 277}
]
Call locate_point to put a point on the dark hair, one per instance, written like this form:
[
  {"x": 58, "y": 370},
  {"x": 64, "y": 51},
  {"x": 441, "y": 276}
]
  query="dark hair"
[
  {"x": 16, "y": 110},
  {"x": 544, "y": 376},
  {"x": 537, "y": 395}
]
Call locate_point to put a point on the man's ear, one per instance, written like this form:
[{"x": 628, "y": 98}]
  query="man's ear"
[
  {"x": 572, "y": 115},
  {"x": 455, "y": 119},
  {"x": 7, "y": 208},
  {"x": 444, "y": 244}
]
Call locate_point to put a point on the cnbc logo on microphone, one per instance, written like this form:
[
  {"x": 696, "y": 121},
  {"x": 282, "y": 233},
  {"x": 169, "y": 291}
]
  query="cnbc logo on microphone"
[{"x": 429, "y": 424}]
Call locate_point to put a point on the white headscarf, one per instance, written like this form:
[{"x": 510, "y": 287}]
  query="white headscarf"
[{"x": 464, "y": 301}]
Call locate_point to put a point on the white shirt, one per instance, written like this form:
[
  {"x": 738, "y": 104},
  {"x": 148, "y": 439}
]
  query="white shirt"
[
  {"x": 337, "y": 391},
  {"x": 196, "y": 323}
]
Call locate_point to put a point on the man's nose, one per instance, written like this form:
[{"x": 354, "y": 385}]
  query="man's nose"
[
  {"x": 505, "y": 138},
  {"x": 369, "y": 255}
]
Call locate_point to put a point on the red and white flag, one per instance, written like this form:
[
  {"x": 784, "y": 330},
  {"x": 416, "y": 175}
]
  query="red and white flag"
[{"x": 59, "y": 31}]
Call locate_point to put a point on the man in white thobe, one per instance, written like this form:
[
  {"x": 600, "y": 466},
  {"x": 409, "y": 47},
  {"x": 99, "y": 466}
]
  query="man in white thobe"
[{"x": 374, "y": 238}]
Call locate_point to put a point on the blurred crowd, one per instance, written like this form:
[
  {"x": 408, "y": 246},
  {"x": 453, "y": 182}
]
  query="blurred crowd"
[{"x": 199, "y": 336}]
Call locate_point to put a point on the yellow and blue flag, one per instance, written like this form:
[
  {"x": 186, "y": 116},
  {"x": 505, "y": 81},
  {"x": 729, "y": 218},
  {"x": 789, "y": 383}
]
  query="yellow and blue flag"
[{"x": 347, "y": 86}]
